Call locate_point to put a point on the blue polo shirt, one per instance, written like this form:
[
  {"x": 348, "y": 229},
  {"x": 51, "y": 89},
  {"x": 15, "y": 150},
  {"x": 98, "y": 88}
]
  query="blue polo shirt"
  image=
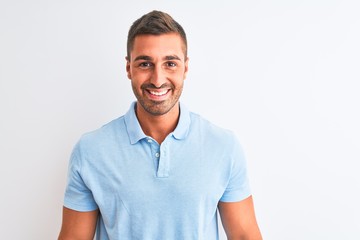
[{"x": 147, "y": 191}]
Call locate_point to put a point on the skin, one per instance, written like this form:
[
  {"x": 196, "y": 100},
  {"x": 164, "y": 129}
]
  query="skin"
[
  {"x": 78, "y": 225},
  {"x": 157, "y": 67},
  {"x": 239, "y": 221}
]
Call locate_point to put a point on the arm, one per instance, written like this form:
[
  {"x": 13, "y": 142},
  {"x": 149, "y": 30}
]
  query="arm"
[
  {"x": 239, "y": 221},
  {"x": 78, "y": 225}
]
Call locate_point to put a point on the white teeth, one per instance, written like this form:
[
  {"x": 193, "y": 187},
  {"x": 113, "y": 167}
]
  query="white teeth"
[{"x": 158, "y": 93}]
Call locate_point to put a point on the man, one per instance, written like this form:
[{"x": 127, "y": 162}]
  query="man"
[{"x": 159, "y": 172}]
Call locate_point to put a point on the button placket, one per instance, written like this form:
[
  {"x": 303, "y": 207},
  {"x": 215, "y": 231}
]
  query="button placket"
[
  {"x": 154, "y": 152},
  {"x": 163, "y": 169}
]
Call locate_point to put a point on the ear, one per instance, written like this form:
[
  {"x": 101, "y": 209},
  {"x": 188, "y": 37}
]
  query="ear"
[
  {"x": 186, "y": 67},
  {"x": 128, "y": 68}
]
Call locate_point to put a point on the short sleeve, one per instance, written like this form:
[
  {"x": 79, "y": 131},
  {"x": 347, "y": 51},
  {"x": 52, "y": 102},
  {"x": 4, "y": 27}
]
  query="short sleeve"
[
  {"x": 238, "y": 187},
  {"x": 77, "y": 195}
]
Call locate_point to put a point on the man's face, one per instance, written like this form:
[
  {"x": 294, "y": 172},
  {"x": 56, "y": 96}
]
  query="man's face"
[{"x": 157, "y": 68}]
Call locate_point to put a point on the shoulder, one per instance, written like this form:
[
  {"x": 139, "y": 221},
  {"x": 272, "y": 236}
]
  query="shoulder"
[
  {"x": 200, "y": 123},
  {"x": 106, "y": 134},
  {"x": 211, "y": 132}
]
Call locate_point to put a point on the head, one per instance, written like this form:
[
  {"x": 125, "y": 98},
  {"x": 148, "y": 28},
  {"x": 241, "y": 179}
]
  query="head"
[
  {"x": 155, "y": 23},
  {"x": 157, "y": 63}
]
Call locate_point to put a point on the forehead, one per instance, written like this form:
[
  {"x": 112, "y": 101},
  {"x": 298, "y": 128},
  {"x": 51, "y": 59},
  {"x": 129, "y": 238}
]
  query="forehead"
[{"x": 158, "y": 45}]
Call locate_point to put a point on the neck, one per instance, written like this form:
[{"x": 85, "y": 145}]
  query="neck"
[{"x": 158, "y": 127}]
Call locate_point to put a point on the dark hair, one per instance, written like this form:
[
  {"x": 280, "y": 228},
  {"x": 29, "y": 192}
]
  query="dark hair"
[{"x": 154, "y": 23}]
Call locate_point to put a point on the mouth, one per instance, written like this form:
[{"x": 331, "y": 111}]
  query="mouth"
[{"x": 160, "y": 94}]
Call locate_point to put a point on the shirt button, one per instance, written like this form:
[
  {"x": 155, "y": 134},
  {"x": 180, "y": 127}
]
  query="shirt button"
[
  {"x": 157, "y": 154},
  {"x": 149, "y": 140}
]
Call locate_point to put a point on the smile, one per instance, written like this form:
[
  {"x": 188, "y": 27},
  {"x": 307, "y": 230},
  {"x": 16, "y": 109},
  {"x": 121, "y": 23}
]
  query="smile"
[{"x": 161, "y": 93}]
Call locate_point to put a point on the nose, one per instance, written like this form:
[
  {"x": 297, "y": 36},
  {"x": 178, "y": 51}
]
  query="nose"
[{"x": 158, "y": 76}]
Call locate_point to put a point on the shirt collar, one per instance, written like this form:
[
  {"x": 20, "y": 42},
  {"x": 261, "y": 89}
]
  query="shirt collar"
[
  {"x": 136, "y": 133},
  {"x": 133, "y": 126},
  {"x": 183, "y": 126}
]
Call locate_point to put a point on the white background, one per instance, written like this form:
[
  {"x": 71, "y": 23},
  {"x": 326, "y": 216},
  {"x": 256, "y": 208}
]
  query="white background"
[{"x": 284, "y": 75}]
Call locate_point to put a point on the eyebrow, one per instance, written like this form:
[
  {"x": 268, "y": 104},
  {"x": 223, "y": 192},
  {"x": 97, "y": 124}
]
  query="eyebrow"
[
  {"x": 143, "y": 57},
  {"x": 148, "y": 58},
  {"x": 172, "y": 57}
]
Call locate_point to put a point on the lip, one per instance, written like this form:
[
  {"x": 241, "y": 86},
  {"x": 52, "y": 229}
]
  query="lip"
[{"x": 157, "y": 94}]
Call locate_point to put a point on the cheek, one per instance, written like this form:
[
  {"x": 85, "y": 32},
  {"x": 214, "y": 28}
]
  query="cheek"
[
  {"x": 140, "y": 75},
  {"x": 138, "y": 78},
  {"x": 179, "y": 75}
]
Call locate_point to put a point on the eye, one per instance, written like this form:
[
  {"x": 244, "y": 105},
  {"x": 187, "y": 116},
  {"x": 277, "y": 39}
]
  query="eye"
[
  {"x": 171, "y": 64},
  {"x": 145, "y": 65}
]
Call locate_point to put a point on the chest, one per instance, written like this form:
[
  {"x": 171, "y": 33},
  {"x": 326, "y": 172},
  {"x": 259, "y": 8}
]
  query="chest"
[{"x": 154, "y": 178}]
